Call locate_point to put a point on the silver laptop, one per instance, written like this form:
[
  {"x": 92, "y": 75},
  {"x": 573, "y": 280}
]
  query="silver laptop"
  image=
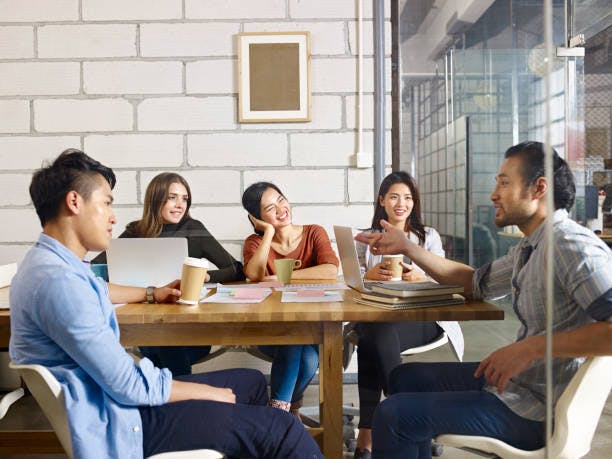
[
  {"x": 141, "y": 262},
  {"x": 350, "y": 260}
]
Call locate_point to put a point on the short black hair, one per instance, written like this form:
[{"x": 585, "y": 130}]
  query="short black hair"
[
  {"x": 71, "y": 170},
  {"x": 251, "y": 199},
  {"x": 532, "y": 155}
]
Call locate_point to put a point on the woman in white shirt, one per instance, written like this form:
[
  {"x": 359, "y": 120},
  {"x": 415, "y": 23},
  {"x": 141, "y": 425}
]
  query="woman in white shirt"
[{"x": 381, "y": 343}]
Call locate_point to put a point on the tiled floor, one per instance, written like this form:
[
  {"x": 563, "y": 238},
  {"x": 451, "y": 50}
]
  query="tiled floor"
[{"x": 481, "y": 339}]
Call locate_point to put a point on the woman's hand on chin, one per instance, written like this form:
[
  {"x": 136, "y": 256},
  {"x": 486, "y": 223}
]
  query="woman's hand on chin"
[{"x": 260, "y": 225}]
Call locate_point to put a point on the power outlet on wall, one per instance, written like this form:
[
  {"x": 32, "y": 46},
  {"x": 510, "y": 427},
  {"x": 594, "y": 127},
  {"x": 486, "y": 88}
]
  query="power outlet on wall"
[{"x": 362, "y": 160}]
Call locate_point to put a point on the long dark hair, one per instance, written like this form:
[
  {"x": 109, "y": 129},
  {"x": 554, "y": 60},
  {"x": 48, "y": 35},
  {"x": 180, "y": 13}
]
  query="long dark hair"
[
  {"x": 151, "y": 223},
  {"x": 414, "y": 222},
  {"x": 251, "y": 199}
]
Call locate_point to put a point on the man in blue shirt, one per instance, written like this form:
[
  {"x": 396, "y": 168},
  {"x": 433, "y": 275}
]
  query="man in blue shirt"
[
  {"x": 504, "y": 395},
  {"x": 62, "y": 317}
]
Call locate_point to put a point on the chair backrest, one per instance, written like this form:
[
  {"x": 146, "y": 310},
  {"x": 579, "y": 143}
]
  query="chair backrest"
[
  {"x": 48, "y": 393},
  {"x": 578, "y": 409}
]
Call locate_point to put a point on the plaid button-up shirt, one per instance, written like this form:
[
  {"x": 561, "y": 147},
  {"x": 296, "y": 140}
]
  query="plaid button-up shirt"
[{"x": 582, "y": 292}]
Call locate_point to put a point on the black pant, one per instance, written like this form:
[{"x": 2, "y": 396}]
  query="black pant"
[
  {"x": 378, "y": 352},
  {"x": 178, "y": 359},
  {"x": 247, "y": 429}
]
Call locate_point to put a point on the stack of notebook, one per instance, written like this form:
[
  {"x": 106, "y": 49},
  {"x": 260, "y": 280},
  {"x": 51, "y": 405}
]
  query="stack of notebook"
[{"x": 404, "y": 295}]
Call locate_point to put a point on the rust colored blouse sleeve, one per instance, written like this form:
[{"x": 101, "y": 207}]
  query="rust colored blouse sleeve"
[
  {"x": 322, "y": 246},
  {"x": 250, "y": 246}
]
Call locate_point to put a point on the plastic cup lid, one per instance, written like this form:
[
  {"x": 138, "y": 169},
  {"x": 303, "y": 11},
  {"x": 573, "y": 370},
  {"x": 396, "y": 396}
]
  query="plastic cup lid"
[{"x": 197, "y": 262}]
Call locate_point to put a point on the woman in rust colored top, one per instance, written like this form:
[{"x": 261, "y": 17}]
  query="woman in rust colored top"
[{"x": 277, "y": 237}]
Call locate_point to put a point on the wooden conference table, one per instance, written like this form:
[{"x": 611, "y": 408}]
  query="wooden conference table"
[{"x": 268, "y": 322}]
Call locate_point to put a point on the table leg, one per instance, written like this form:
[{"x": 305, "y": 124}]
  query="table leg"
[{"x": 330, "y": 389}]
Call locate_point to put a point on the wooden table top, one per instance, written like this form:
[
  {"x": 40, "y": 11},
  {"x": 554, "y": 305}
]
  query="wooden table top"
[{"x": 272, "y": 310}]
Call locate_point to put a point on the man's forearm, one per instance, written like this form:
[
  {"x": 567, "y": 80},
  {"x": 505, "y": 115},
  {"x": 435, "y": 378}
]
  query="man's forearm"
[
  {"x": 441, "y": 269},
  {"x": 119, "y": 294}
]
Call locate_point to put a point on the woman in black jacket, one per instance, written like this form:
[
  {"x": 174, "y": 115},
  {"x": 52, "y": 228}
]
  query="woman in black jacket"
[{"x": 166, "y": 214}]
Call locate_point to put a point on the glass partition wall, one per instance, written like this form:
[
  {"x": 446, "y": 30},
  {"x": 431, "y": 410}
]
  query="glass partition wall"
[
  {"x": 472, "y": 81},
  {"x": 475, "y": 92}
]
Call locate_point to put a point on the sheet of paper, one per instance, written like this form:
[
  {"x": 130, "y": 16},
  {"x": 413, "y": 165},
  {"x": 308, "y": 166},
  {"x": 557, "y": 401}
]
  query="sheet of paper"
[
  {"x": 4, "y": 304},
  {"x": 292, "y": 297},
  {"x": 227, "y": 297},
  {"x": 249, "y": 293}
]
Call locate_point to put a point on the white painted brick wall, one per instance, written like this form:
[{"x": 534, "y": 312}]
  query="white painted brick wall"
[
  {"x": 21, "y": 152},
  {"x": 207, "y": 187},
  {"x": 60, "y": 78},
  {"x": 227, "y": 222},
  {"x": 234, "y": 9},
  {"x": 66, "y": 115},
  {"x": 237, "y": 149},
  {"x": 132, "y": 77},
  {"x": 322, "y": 149},
  {"x": 360, "y": 185},
  {"x": 92, "y": 40},
  {"x": 187, "y": 114},
  {"x": 151, "y": 85},
  {"x": 125, "y": 188},
  {"x": 303, "y": 185},
  {"x": 16, "y": 42},
  {"x": 328, "y": 9},
  {"x": 14, "y": 116},
  {"x": 125, "y": 215},
  {"x": 212, "y": 77},
  {"x": 188, "y": 39},
  {"x": 38, "y": 10},
  {"x": 136, "y": 150},
  {"x": 12, "y": 188},
  {"x": 367, "y": 102},
  {"x": 368, "y": 38},
  {"x": 24, "y": 227},
  {"x": 108, "y": 10},
  {"x": 326, "y": 115},
  {"x": 326, "y": 38}
]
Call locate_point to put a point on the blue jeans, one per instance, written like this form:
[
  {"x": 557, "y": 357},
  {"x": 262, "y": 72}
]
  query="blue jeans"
[
  {"x": 247, "y": 429},
  {"x": 293, "y": 368},
  {"x": 430, "y": 399},
  {"x": 178, "y": 359}
]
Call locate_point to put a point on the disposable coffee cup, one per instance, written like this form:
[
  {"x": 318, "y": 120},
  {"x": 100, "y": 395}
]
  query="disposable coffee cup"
[
  {"x": 395, "y": 266},
  {"x": 284, "y": 268},
  {"x": 192, "y": 279}
]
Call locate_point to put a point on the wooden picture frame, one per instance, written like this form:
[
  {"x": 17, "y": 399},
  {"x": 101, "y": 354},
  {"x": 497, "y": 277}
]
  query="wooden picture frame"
[{"x": 274, "y": 77}]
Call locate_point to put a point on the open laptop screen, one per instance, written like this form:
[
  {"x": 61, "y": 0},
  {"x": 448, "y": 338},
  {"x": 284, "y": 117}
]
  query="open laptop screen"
[{"x": 141, "y": 262}]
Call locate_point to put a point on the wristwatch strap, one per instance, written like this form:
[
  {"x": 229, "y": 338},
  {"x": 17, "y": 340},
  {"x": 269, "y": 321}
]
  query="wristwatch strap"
[{"x": 150, "y": 297}]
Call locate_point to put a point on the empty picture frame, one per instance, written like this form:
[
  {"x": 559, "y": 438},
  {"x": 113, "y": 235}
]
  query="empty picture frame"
[{"x": 274, "y": 77}]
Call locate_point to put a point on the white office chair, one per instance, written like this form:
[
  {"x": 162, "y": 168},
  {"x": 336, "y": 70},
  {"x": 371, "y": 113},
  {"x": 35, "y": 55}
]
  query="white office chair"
[
  {"x": 441, "y": 340},
  {"x": 6, "y": 275},
  {"x": 48, "y": 393},
  {"x": 576, "y": 416}
]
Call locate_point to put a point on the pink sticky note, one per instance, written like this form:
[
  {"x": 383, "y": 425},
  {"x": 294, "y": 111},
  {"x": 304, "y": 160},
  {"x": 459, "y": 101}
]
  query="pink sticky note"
[
  {"x": 248, "y": 293},
  {"x": 311, "y": 293},
  {"x": 271, "y": 284}
]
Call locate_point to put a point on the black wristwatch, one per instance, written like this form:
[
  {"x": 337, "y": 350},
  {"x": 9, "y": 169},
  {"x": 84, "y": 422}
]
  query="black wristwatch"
[{"x": 150, "y": 297}]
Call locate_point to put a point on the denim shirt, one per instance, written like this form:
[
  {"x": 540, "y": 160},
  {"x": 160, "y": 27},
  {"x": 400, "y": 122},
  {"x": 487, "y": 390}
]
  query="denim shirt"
[
  {"x": 582, "y": 295},
  {"x": 62, "y": 318}
]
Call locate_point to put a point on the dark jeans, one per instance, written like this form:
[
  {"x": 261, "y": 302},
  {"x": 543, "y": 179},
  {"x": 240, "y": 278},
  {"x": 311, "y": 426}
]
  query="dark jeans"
[
  {"x": 178, "y": 359},
  {"x": 247, "y": 429},
  {"x": 429, "y": 399},
  {"x": 378, "y": 352}
]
